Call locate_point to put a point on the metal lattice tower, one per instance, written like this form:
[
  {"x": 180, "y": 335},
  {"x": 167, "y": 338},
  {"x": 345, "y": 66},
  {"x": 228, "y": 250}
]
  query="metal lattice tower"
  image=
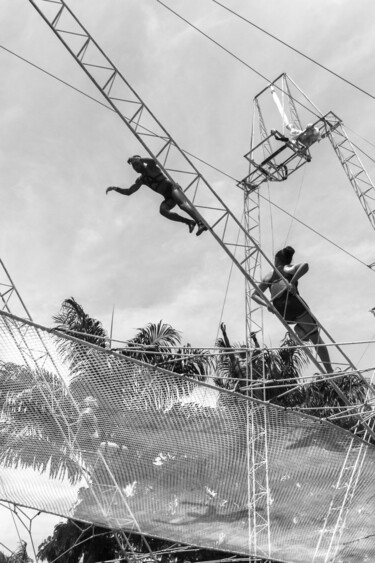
[
  {"x": 353, "y": 167},
  {"x": 258, "y": 468},
  {"x": 331, "y": 127},
  {"x": 11, "y": 300},
  {"x": 354, "y": 170}
]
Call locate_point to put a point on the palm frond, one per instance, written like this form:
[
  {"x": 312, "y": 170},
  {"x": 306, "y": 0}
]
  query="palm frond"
[
  {"x": 320, "y": 396},
  {"x": 75, "y": 541},
  {"x": 194, "y": 362},
  {"x": 29, "y": 450},
  {"x": 20, "y": 555},
  {"x": 159, "y": 335},
  {"x": 73, "y": 319}
]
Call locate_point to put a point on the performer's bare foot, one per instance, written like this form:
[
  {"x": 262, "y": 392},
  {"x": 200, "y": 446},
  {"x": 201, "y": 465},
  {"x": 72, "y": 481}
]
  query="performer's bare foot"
[
  {"x": 201, "y": 229},
  {"x": 191, "y": 226}
]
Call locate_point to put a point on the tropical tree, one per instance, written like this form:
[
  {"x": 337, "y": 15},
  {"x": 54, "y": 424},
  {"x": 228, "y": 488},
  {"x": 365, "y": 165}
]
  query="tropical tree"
[
  {"x": 73, "y": 320},
  {"x": 89, "y": 371},
  {"x": 159, "y": 344},
  {"x": 20, "y": 555},
  {"x": 73, "y": 541},
  {"x": 322, "y": 400},
  {"x": 153, "y": 344},
  {"x": 192, "y": 362},
  {"x": 277, "y": 371},
  {"x": 46, "y": 424},
  {"x": 36, "y": 423},
  {"x": 281, "y": 371}
]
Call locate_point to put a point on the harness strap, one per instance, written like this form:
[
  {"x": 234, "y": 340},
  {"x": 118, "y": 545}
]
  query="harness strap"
[{"x": 153, "y": 181}]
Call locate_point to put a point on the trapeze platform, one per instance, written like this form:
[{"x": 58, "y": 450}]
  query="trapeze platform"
[{"x": 291, "y": 154}]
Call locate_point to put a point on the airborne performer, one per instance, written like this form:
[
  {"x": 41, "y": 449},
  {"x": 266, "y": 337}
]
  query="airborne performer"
[
  {"x": 152, "y": 177},
  {"x": 292, "y": 308}
]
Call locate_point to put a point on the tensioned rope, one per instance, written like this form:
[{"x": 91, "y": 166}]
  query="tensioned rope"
[
  {"x": 365, "y": 350},
  {"x": 314, "y": 61},
  {"x": 258, "y": 72},
  {"x": 361, "y": 150},
  {"x": 228, "y": 282},
  {"x": 56, "y": 78},
  {"x": 143, "y": 348},
  {"x": 199, "y": 159},
  {"x": 363, "y": 139},
  {"x": 228, "y": 51},
  {"x": 218, "y": 44},
  {"x": 306, "y": 379},
  {"x": 293, "y": 215}
]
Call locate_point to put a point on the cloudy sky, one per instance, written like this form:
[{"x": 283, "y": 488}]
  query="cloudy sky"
[{"x": 59, "y": 150}]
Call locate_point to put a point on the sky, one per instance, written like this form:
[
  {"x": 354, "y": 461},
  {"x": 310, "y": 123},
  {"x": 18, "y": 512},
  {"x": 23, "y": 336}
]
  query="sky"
[{"x": 63, "y": 237}]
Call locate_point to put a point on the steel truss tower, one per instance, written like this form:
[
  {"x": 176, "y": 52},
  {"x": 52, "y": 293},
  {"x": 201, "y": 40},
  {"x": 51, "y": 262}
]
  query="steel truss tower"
[
  {"x": 259, "y": 491},
  {"x": 257, "y": 415},
  {"x": 11, "y": 300},
  {"x": 331, "y": 127},
  {"x": 176, "y": 165},
  {"x": 354, "y": 170}
]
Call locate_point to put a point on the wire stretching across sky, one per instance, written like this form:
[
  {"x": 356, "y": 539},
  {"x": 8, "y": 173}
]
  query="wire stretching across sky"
[
  {"x": 218, "y": 44},
  {"x": 315, "y": 62}
]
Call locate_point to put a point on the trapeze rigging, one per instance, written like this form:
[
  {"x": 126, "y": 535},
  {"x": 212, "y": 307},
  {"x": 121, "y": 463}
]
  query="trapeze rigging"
[
  {"x": 293, "y": 149},
  {"x": 164, "y": 153}
]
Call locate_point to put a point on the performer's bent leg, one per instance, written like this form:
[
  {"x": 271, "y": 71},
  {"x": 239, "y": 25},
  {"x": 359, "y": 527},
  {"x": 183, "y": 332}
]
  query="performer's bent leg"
[
  {"x": 183, "y": 203},
  {"x": 180, "y": 198},
  {"x": 307, "y": 329},
  {"x": 165, "y": 210}
]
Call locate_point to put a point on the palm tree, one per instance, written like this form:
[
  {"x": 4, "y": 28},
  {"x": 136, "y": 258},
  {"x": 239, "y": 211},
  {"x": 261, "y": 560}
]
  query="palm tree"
[
  {"x": 269, "y": 367},
  {"x": 88, "y": 369},
  {"x": 153, "y": 343},
  {"x": 282, "y": 369},
  {"x": 73, "y": 320},
  {"x": 20, "y": 555},
  {"x": 37, "y": 420},
  {"x": 192, "y": 362},
  {"x": 285, "y": 367},
  {"x": 156, "y": 344},
  {"x": 322, "y": 399},
  {"x": 73, "y": 541}
]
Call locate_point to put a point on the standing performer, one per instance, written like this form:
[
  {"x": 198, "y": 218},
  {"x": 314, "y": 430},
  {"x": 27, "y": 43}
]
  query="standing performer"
[
  {"x": 152, "y": 177},
  {"x": 284, "y": 299},
  {"x": 306, "y": 137}
]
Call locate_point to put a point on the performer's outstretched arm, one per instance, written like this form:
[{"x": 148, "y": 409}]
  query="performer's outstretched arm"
[{"x": 124, "y": 191}]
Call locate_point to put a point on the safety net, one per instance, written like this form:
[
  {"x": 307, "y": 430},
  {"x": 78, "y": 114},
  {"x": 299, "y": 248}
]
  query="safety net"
[{"x": 100, "y": 437}]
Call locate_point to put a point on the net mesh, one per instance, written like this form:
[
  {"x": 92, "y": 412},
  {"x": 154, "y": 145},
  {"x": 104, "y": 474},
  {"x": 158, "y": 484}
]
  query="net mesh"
[{"x": 96, "y": 436}]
